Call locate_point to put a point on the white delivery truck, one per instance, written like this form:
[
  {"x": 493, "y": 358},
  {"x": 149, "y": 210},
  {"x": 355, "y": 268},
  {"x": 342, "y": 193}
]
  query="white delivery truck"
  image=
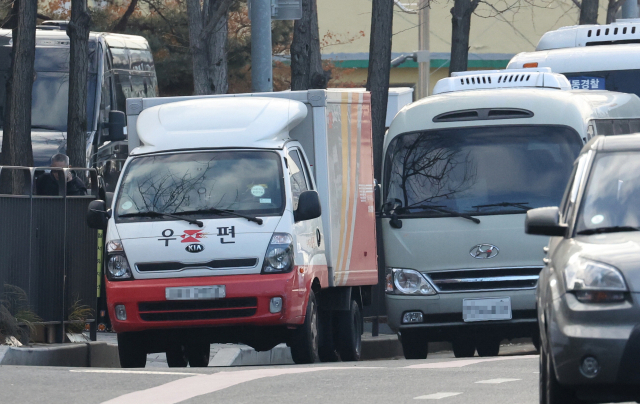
[
  {"x": 461, "y": 169},
  {"x": 592, "y": 57},
  {"x": 242, "y": 218}
]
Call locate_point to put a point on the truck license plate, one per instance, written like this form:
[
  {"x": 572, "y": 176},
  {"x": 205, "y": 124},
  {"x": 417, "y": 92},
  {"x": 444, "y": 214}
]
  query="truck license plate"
[
  {"x": 196, "y": 293},
  {"x": 486, "y": 309}
]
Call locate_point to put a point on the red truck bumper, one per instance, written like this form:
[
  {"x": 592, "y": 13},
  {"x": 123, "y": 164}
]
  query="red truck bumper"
[{"x": 246, "y": 303}]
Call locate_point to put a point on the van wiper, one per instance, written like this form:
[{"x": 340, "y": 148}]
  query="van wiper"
[
  {"x": 158, "y": 214},
  {"x": 438, "y": 208},
  {"x": 521, "y": 205},
  {"x": 609, "y": 229},
  {"x": 221, "y": 212}
]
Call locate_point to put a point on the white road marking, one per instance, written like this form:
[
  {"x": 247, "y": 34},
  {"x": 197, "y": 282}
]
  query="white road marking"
[
  {"x": 184, "y": 389},
  {"x": 466, "y": 362},
  {"x": 497, "y": 381},
  {"x": 436, "y": 396},
  {"x": 141, "y": 372}
]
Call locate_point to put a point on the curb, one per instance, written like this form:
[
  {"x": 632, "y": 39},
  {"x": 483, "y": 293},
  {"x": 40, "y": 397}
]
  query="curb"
[
  {"x": 90, "y": 354},
  {"x": 245, "y": 356}
]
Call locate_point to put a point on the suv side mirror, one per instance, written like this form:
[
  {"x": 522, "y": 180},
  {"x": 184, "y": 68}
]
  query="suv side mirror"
[
  {"x": 97, "y": 215},
  {"x": 117, "y": 122},
  {"x": 544, "y": 222},
  {"x": 308, "y": 206}
]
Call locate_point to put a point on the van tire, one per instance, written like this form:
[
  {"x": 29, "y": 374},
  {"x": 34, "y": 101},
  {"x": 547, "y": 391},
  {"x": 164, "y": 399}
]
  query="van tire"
[
  {"x": 177, "y": 356},
  {"x": 199, "y": 353},
  {"x": 131, "y": 351},
  {"x": 414, "y": 345},
  {"x": 305, "y": 338},
  {"x": 349, "y": 333},
  {"x": 488, "y": 346},
  {"x": 463, "y": 348}
]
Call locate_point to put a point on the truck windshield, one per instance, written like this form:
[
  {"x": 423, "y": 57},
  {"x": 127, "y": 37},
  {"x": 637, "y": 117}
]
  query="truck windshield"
[
  {"x": 199, "y": 183},
  {"x": 479, "y": 170},
  {"x": 611, "y": 202},
  {"x": 50, "y": 93}
]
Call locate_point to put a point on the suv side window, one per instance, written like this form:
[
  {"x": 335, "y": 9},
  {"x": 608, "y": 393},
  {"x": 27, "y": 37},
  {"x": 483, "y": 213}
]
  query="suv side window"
[{"x": 297, "y": 176}]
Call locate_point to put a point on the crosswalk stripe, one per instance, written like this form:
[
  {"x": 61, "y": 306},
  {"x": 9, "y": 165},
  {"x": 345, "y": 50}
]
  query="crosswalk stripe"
[
  {"x": 436, "y": 396},
  {"x": 496, "y": 381}
]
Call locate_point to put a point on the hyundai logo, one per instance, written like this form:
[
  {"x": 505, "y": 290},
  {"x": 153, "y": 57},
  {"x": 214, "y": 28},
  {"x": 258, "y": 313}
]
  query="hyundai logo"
[
  {"x": 194, "y": 248},
  {"x": 482, "y": 251}
]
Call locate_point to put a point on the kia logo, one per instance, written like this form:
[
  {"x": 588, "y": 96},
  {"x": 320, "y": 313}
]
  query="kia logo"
[
  {"x": 482, "y": 251},
  {"x": 194, "y": 248}
]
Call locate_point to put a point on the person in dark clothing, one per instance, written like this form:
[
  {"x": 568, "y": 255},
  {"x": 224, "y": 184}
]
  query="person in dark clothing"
[{"x": 47, "y": 184}]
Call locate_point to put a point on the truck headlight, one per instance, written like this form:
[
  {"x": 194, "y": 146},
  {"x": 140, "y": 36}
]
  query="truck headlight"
[
  {"x": 594, "y": 282},
  {"x": 407, "y": 282},
  {"x": 117, "y": 265},
  {"x": 279, "y": 256}
]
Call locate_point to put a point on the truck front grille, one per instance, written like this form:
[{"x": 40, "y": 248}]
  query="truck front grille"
[
  {"x": 470, "y": 280},
  {"x": 215, "y": 264},
  {"x": 198, "y": 309}
]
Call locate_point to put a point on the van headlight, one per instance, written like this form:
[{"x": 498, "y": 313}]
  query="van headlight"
[
  {"x": 407, "y": 282},
  {"x": 594, "y": 282},
  {"x": 117, "y": 265},
  {"x": 279, "y": 256}
]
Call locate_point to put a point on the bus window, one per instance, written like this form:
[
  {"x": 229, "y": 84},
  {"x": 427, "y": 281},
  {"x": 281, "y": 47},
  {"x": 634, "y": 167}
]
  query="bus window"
[{"x": 120, "y": 58}]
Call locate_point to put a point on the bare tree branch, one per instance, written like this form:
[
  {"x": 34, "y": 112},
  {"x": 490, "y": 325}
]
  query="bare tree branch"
[{"x": 215, "y": 18}]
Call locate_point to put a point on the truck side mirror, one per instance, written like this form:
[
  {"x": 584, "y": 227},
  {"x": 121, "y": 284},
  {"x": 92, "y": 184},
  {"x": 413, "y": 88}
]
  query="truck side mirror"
[
  {"x": 117, "y": 122},
  {"x": 97, "y": 215},
  {"x": 377, "y": 192},
  {"x": 544, "y": 222},
  {"x": 308, "y": 207}
]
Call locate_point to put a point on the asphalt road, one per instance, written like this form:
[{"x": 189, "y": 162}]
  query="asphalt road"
[{"x": 509, "y": 378}]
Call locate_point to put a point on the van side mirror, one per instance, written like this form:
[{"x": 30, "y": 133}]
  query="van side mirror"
[
  {"x": 97, "y": 215},
  {"x": 117, "y": 122},
  {"x": 308, "y": 206},
  {"x": 544, "y": 222}
]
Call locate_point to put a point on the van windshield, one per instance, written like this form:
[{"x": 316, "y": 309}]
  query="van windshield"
[
  {"x": 196, "y": 184},
  {"x": 479, "y": 170},
  {"x": 624, "y": 81}
]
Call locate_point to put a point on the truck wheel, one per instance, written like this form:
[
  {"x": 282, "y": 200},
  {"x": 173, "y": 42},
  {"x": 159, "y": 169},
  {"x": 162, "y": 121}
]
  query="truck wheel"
[
  {"x": 463, "y": 348},
  {"x": 131, "y": 351},
  {"x": 488, "y": 346},
  {"x": 326, "y": 348},
  {"x": 304, "y": 341},
  {"x": 198, "y": 354},
  {"x": 177, "y": 356},
  {"x": 555, "y": 392},
  {"x": 350, "y": 333},
  {"x": 413, "y": 345}
]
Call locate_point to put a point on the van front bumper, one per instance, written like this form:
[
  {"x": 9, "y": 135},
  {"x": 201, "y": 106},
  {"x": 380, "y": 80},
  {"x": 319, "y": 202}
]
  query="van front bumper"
[
  {"x": 442, "y": 314},
  {"x": 246, "y": 303}
]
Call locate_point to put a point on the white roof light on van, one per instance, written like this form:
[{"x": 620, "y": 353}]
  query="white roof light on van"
[
  {"x": 619, "y": 32},
  {"x": 513, "y": 78}
]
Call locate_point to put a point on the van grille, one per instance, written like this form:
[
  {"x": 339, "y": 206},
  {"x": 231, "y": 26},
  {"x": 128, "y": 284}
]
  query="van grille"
[
  {"x": 469, "y": 280},
  {"x": 198, "y": 309}
]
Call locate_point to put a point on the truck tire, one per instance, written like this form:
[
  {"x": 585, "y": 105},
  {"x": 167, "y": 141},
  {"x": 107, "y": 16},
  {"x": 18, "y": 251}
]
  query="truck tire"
[
  {"x": 326, "y": 348},
  {"x": 177, "y": 356},
  {"x": 198, "y": 354},
  {"x": 131, "y": 351},
  {"x": 349, "y": 333},
  {"x": 488, "y": 346},
  {"x": 413, "y": 345},
  {"x": 304, "y": 341},
  {"x": 463, "y": 348}
]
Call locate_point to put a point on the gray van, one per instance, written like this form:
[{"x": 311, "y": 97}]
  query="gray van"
[{"x": 120, "y": 67}]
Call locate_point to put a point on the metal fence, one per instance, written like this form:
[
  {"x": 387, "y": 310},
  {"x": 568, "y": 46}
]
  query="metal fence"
[{"x": 47, "y": 251}]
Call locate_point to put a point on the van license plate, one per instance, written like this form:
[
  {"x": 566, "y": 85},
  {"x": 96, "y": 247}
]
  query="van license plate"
[
  {"x": 196, "y": 293},
  {"x": 486, "y": 309}
]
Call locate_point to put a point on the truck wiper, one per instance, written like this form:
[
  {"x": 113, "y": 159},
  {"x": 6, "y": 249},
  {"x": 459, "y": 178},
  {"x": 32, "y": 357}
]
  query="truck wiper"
[
  {"x": 158, "y": 214},
  {"x": 438, "y": 208},
  {"x": 521, "y": 205},
  {"x": 609, "y": 229},
  {"x": 223, "y": 211}
]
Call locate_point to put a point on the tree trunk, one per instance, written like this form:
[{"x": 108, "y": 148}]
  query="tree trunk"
[
  {"x": 78, "y": 32},
  {"x": 122, "y": 23},
  {"x": 378, "y": 76},
  {"x": 16, "y": 139},
  {"x": 218, "y": 74},
  {"x": 612, "y": 10},
  {"x": 306, "y": 59},
  {"x": 461, "y": 25},
  {"x": 198, "y": 47},
  {"x": 589, "y": 12}
]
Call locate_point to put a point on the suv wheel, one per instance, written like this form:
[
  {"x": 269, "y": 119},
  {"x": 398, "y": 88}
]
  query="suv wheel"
[{"x": 414, "y": 345}]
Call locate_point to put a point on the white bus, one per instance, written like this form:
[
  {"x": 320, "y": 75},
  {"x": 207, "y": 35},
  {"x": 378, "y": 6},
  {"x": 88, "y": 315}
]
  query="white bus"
[{"x": 592, "y": 57}]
